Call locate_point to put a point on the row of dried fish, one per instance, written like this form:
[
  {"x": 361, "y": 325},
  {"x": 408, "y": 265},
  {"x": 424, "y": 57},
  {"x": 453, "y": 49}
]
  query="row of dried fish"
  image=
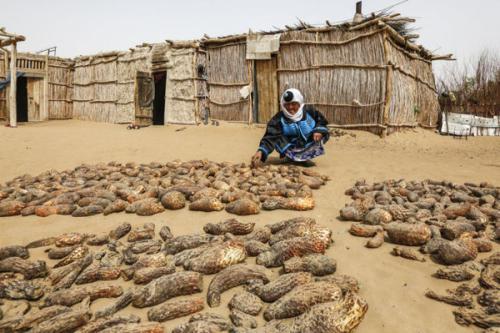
[
  {"x": 148, "y": 189},
  {"x": 304, "y": 292},
  {"x": 478, "y": 301},
  {"x": 449, "y": 221}
]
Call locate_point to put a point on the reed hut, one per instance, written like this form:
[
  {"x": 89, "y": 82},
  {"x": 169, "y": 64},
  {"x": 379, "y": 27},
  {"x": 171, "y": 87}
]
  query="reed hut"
[
  {"x": 148, "y": 84},
  {"x": 43, "y": 87},
  {"x": 366, "y": 74}
]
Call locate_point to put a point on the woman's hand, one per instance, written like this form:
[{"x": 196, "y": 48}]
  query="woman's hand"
[
  {"x": 317, "y": 137},
  {"x": 256, "y": 159}
]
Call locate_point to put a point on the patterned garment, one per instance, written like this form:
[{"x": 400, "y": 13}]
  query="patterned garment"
[{"x": 305, "y": 154}]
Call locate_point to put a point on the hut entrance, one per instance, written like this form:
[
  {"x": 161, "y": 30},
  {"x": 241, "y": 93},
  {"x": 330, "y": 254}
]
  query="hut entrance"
[
  {"x": 35, "y": 98},
  {"x": 159, "y": 101},
  {"x": 22, "y": 99},
  {"x": 143, "y": 98},
  {"x": 266, "y": 82}
]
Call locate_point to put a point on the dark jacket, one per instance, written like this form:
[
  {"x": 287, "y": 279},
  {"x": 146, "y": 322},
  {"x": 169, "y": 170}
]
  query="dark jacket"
[{"x": 282, "y": 133}]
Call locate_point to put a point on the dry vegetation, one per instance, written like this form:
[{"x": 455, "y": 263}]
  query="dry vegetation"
[{"x": 474, "y": 84}]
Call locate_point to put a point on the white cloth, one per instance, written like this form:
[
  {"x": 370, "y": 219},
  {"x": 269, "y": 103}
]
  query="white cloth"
[
  {"x": 468, "y": 124},
  {"x": 246, "y": 91},
  {"x": 260, "y": 47},
  {"x": 297, "y": 97}
]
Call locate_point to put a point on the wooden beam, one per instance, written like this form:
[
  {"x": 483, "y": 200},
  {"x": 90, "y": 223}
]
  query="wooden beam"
[
  {"x": 398, "y": 38},
  {"x": 223, "y": 40},
  {"x": 443, "y": 57},
  {"x": 197, "y": 101},
  {"x": 11, "y": 35},
  {"x": 388, "y": 85},
  {"x": 6, "y": 42},
  {"x": 356, "y": 125},
  {"x": 46, "y": 90},
  {"x": 6, "y": 61},
  {"x": 359, "y": 6},
  {"x": 10, "y": 40},
  {"x": 13, "y": 84}
]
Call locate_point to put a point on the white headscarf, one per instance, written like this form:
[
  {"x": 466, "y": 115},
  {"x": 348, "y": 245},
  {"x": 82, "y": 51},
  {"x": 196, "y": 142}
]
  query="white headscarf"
[{"x": 297, "y": 97}]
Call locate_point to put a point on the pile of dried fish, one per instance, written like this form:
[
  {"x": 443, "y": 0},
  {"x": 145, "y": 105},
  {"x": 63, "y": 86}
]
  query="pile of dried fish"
[
  {"x": 148, "y": 189},
  {"x": 484, "y": 312},
  {"x": 55, "y": 295},
  {"x": 449, "y": 221}
]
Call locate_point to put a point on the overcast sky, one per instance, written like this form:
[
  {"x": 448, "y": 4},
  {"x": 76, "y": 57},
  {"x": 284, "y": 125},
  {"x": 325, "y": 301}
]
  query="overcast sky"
[{"x": 78, "y": 27}]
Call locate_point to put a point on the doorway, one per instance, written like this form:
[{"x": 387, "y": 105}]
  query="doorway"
[
  {"x": 22, "y": 99},
  {"x": 159, "y": 101},
  {"x": 143, "y": 98},
  {"x": 266, "y": 80}
]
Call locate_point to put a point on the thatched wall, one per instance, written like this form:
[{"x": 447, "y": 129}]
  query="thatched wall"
[
  {"x": 414, "y": 99},
  {"x": 181, "y": 100},
  {"x": 366, "y": 76},
  {"x": 60, "y": 93},
  {"x": 341, "y": 73},
  {"x": 104, "y": 85},
  {"x": 228, "y": 72}
]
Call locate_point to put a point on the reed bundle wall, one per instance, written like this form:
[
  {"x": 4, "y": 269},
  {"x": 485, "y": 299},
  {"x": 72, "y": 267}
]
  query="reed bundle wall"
[
  {"x": 60, "y": 89},
  {"x": 181, "y": 99},
  {"x": 363, "y": 78},
  {"x": 365, "y": 75},
  {"x": 341, "y": 73},
  {"x": 228, "y": 72},
  {"x": 414, "y": 99},
  {"x": 104, "y": 85}
]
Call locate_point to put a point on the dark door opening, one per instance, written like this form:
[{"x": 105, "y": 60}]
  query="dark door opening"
[
  {"x": 159, "y": 101},
  {"x": 22, "y": 99}
]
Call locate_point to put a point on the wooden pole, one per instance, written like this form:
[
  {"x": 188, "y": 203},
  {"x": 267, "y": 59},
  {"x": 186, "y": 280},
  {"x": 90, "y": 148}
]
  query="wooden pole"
[
  {"x": 13, "y": 84},
  {"x": 195, "y": 85},
  {"x": 250, "y": 70},
  {"x": 6, "y": 61},
  {"x": 46, "y": 90},
  {"x": 388, "y": 85},
  {"x": 359, "y": 6}
]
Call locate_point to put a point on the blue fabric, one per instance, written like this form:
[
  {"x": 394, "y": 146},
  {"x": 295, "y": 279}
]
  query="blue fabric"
[
  {"x": 303, "y": 128},
  {"x": 6, "y": 82},
  {"x": 264, "y": 151},
  {"x": 301, "y": 131},
  {"x": 287, "y": 146},
  {"x": 305, "y": 154},
  {"x": 321, "y": 129}
]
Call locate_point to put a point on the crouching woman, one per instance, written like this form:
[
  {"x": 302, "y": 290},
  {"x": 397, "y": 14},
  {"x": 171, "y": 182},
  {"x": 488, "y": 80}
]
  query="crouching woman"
[{"x": 297, "y": 131}]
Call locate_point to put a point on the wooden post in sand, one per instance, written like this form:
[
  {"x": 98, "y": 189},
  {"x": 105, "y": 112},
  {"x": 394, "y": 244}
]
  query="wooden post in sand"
[
  {"x": 5, "y": 40},
  {"x": 46, "y": 90},
  {"x": 13, "y": 85}
]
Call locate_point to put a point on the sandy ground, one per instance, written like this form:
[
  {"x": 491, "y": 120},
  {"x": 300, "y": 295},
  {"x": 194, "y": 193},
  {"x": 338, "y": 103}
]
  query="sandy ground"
[{"x": 393, "y": 287}]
